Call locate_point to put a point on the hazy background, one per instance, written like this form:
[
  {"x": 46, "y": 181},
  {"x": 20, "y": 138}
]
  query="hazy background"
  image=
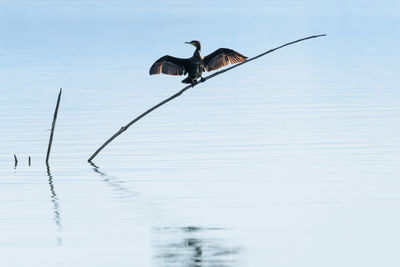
[{"x": 290, "y": 160}]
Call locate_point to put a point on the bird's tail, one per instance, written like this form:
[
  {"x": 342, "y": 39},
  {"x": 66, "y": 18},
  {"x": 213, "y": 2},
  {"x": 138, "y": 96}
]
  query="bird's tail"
[{"x": 187, "y": 80}]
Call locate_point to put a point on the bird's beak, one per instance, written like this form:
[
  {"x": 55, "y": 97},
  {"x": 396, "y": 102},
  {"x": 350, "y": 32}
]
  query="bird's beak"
[{"x": 189, "y": 43}]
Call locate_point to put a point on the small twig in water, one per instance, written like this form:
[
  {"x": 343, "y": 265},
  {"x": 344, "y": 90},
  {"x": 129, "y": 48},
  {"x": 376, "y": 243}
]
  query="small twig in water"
[
  {"x": 29, "y": 160},
  {"x": 53, "y": 126},
  {"x": 15, "y": 161},
  {"x": 124, "y": 128}
]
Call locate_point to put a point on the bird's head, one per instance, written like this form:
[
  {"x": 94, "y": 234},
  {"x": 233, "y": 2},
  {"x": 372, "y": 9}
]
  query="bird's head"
[{"x": 195, "y": 43}]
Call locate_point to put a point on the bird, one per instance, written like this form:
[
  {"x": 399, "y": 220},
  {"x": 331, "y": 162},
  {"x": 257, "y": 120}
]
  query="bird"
[{"x": 195, "y": 65}]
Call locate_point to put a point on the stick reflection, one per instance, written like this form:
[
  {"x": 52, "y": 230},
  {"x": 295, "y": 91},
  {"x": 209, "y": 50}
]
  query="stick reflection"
[
  {"x": 189, "y": 246},
  {"x": 117, "y": 185},
  {"x": 56, "y": 206}
]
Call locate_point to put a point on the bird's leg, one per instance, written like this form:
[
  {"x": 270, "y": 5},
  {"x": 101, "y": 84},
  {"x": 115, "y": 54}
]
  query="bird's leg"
[
  {"x": 202, "y": 80},
  {"x": 193, "y": 82}
]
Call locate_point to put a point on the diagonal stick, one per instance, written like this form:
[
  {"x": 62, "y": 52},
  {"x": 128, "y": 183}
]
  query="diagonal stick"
[{"x": 124, "y": 128}]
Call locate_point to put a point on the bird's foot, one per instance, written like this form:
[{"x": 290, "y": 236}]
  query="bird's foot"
[
  {"x": 193, "y": 82},
  {"x": 202, "y": 80}
]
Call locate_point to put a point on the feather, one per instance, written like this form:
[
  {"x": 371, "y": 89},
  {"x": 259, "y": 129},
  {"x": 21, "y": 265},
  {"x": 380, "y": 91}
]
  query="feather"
[
  {"x": 169, "y": 65},
  {"x": 222, "y": 57}
]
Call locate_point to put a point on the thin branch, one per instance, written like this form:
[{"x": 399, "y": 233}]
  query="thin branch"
[
  {"x": 53, "y": 126},
  {"x": 124, "y": 128}
]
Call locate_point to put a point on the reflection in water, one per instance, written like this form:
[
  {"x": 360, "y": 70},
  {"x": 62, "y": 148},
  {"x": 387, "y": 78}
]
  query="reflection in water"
[
  {"x": 193, "y": 247},
  {"x": 56, "y": 206},
  {"x": 114, "y": 183},
  {"x": 184, "y": 246}
]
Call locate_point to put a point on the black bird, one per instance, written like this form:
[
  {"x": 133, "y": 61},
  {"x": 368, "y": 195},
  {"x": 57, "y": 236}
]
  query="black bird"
[{"x": 195, "y": 65}]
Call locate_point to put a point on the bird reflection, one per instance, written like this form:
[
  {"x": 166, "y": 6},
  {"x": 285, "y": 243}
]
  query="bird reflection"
[
  {"x": 194, "y": 249},
  {"x": 56, "y": 206},
  {"x": 196, "y": 245},
  {"x": 114, "y": 183},
  {"x": 189, "y": 246}
]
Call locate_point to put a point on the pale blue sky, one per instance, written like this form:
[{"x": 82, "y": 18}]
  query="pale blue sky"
[{"x": 70, "y": 37}]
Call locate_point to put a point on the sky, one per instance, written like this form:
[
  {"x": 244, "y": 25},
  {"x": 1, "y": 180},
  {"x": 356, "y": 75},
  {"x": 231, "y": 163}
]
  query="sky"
[{"x": 56, "y": 41}]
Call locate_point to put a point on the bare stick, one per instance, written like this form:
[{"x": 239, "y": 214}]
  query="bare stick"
[
  {"x": 53, "y": 126},
  {"x": 29, "y": 160},
  {"x": 124, "y": 128}
]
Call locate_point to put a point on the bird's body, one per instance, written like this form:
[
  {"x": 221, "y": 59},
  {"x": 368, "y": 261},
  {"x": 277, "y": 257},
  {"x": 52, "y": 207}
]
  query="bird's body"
[{"x": 195, "y": 65}]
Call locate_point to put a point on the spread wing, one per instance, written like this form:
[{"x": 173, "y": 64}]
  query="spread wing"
[
  {"x": 222, "y": 57},
  {"x": 169, "y": 65}
]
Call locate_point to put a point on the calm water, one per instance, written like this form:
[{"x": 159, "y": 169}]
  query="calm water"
[{"x": 291, "y": 160}]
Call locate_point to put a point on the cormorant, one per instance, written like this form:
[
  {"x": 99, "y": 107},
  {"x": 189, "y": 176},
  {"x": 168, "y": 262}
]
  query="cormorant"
[{"x": 195, "y": 65}]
